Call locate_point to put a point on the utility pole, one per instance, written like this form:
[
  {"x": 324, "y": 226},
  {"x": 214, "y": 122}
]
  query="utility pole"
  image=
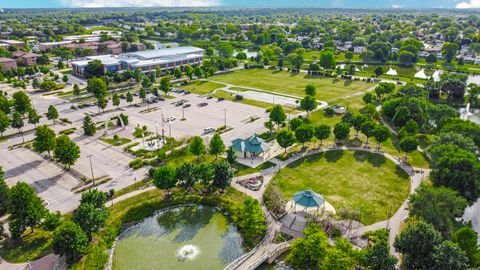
[
  {"x": 225, "y": 123},
  {"x": 183, "y": 113},
  {"x": 91, "y": 169},
  {"x": 170, "y": 128}
]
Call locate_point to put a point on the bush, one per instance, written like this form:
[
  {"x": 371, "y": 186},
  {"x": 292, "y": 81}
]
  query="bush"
[
  {"x": 329, "y": 111},
  {"x": 136, "y": 163},
  {"x": 52, "y": 220}
]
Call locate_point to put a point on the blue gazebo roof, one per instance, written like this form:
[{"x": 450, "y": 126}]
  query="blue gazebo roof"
[{"x": 308, "y": 198}]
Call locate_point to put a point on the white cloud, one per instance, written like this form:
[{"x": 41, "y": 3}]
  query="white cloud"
[
  {"x": 140, "y": 3},
  {"x": 397, "y": 6},
  {"x": 471, "y": 4}
]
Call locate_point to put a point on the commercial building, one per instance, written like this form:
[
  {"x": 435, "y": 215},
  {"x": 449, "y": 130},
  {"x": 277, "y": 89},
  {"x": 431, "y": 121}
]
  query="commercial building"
[
  {"x": 7, "y": 63},
  {"x": 144, "y": 61},
  {"x": 19, "y": 44},
  {"x": 26, "y": 58}
]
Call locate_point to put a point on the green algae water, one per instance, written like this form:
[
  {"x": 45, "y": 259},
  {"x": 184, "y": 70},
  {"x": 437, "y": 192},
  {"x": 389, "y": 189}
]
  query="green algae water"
[{"x": 185, "y": 237}]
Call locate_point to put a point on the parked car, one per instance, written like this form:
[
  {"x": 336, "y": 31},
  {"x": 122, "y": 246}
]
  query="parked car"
[
  {"x": 202, "y": 104},
  {"x": 221, "y": 99},
  {"x": 186, "y": 92},
  {"x": 209, "y": 97},
  {"x": 208, "y": 130},
  {"x": 186, "y": 105},
  {"x": 169, "y": 119}
]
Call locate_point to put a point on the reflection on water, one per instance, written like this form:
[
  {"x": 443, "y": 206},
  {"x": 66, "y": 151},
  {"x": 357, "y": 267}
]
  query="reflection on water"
[{"x": 186, "y": 237}]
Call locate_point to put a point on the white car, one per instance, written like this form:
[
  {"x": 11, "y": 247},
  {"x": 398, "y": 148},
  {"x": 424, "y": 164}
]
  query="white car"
[
  {"x": 169, "y": 119},
  {"x": 208, "y": 130}
]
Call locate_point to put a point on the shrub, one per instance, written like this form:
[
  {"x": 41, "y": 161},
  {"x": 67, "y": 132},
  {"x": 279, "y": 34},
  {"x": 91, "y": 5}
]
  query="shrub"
[
  {"x": 136, "y": 163},
  {"x": 329, "y": 111},
  {"x": 52, "y": 220}
]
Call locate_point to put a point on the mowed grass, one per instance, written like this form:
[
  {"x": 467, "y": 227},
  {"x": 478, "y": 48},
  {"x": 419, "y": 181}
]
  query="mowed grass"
[
  {"x": 201, "y": 87},
  {"x": 32, "y": 246},
  {"x": 292, "y": 84},
  {"x": 356, "y": 180}
]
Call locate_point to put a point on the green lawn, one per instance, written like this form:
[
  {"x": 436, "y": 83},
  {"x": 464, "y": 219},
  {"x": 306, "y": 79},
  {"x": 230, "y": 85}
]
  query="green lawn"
[
  {"x": 32, "y": 246},
  {"x": 231, "y": 97},
  {"x": 201, "y": 87},
  {"x": 357, "y": 180},
  {"x": 244, "y": 170},
  {"x": 292, "y": 84}
]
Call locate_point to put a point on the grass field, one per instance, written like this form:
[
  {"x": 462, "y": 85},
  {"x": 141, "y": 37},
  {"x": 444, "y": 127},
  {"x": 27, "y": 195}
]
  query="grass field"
[
  {"x": 31, "y": 247},
  {"x": 201, "y": 87},
  {"x": 292, "y": 84},
  {"x": 352, "y": 180}
]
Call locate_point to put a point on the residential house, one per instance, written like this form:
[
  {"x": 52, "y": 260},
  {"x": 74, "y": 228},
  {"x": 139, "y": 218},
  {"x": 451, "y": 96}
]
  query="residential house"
[
  {"x": 26, "y": 58},
  {"x": 7, "y": 63}
]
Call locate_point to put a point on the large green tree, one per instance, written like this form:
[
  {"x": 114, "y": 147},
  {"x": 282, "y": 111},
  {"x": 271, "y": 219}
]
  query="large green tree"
[
  {"x": 3, "y": 194},
  {"x": 216, "y": 146},
  {"x": 89, "y": 128},
  {"x": 52, "y": 113},
  {"x": 322, "y": 132},
  {"x": 341, "y": 130},
  {"x": 69, "y": 240},
  {"x": 197, "y": 146},
  {"x": 285, "y": 139},
  {"x": 33, "y": 117},
  {"x": 164, "y": 177},
  {"x": 4, "y": 122},
  {"x": 308, "y": 103},
  {"x": 377, "y": 257},
  {"x": 277, "y": 115},
  {"x": 90, "y": 218},
  {"x": 309, "y": 251},
  {"x": 21, "y": 102},
  {"x": 17, "y": 122},
  {"x": 66, "y": 151},
  {"x": 25, "y": 207},
  {"x": 250, "y": 220},
  {"x": 44, "y": 140},
  {"x": 222, "y": 175},
  {"x": 304, "y": 134}
]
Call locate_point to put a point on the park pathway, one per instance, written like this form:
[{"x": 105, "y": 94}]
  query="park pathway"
[{"x": 267, "y": 249}]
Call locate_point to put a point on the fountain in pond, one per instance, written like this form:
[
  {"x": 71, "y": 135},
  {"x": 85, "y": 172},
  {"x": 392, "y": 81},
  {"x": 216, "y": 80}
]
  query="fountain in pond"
[{"x": 187, "y": 252}]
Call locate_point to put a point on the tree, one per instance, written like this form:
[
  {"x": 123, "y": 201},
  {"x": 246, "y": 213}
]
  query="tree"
[
  {"x": 378, "y": 257},
  {"x": 431, "y": 58},
  {"x": 25, "y": 207},
  {"x": 5, "y": 104},
  {"x": 295, "y": 60},
  {"x": 129, "y": 97},
  {"x": 383, "y": 89},
  {"x": 97, "y": 86},
  {"x": 216, "y": 146},
  {"x": 309, "y": 251},
  {"x": 90, "y": 218},
  {"x": 222, "y": 175},
  {"x": 367, "y": 129},
  {"x": 231, "y": 157},
  {"x": 165, "y": 84},
  {"x": 250, "y": 220},
  {"x": 177, "y": 73},
  {"x": 225, "y": 50},
  {"x": 94, "y": 68},
  {"x": 467, "y": 239},
  {"x": 341, "y": 130},
  {"x": 198, "y": 72},
  {"x": 449, "y": 50},
  {"x": 460, "y": 171},
  {"x": 448, "y": 255},
  {"x": 310, "y": 90},
  {"x": 304, "y": 134},
  {"x": 379, "y": 71},
  {"x": 197, "y": 146},
  {"x": 277, "y": 115},
  {"x": 327, "y": 60},
  {"x": 369, "y": 98},
  {"x": 115, "y": 100},
  {"x": 285, "y": 139},
  {"x": 417, "y": 242},
  {"x": 308, "y": 103},
  {"x": 186, "y": 175},
  {"x": 4, "y": 122},
  {"x": 408, "y": 144},
  {"x": 142, "y": 94},
  {"x": 295, "y": 123},
  {"x": 52, "y": 113},
  {"x": 269, "y": 125},
  {"x": 322, "y": 132},
  {"x": 69, "y": 240},
  {"x": 357, "y": 122},
  {"x": 3, "y": 195},
  {"x": 95, "y": 197},
  {"x": 437, "y": 206},
  {"x": 33, "y": 117},
  {"x": 44, "y": 140},
  {"x": 17, "y": 122},
  {"x": 66, "y": 151},
  {"x": 76, "y": 90},
  {"x": 164, "y": 177},
  {"x": 101, "y": 103},
  {"x": 381, "y": 134},
  {"x": 402, "y": 115},
  {"x": 21, "y": 102},
  {"x": 204, "y": 172},
  {"x": 89, "y": 128}
]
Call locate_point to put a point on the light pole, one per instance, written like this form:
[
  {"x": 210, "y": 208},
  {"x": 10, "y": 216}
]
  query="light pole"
[
  {"x": 225, "y": 122},
  {"x": 183, "y": 113},
  {"x": 135, "y": 182},
  {"x": 170, "y": 128},
  {"x": 156, "y": 132},
  {"x": 91, "y": 169}
]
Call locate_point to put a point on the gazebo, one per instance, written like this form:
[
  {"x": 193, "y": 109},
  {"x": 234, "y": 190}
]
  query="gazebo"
[{"x": 308, "y": 199}]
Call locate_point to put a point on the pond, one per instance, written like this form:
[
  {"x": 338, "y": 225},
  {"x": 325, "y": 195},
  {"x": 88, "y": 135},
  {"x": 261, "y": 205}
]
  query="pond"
[
  {"x": 185, "y": 237},
  {"x": 472, "y": 213}
]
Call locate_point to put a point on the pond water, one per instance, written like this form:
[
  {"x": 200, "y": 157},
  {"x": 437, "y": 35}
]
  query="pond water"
[
  {"x": 186, "y": 237},
  {"x": 473, "y": 79}
]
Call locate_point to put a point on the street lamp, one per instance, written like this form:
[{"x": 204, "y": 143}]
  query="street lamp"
[
  {"x": 225, "y": 122},
  {"x": 91, "y": 169}
]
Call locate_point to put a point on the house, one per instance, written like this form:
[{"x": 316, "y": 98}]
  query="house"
[
  {"x": 18, "y": 44},
  {"x": 253, "y": 147},
  {"x": 7, "y": 63},
  {"x": 26, "y": 58},
  {"x": 359, "y": 49}
]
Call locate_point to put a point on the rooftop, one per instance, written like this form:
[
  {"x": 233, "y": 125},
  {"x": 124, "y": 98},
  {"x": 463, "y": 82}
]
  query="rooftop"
[
  {"x": 253, "y": 144},
  {"x": 153, "y": 54}
]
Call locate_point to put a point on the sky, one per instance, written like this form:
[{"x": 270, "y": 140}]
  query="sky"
[{"x": 250, "y": 3}]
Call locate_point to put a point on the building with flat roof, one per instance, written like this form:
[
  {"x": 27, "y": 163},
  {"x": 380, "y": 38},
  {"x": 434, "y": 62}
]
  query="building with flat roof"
[
  {"x": 19, "y": 44},
  {"x": 144, "y": 61},
  {"x": 7, "y": 63}
]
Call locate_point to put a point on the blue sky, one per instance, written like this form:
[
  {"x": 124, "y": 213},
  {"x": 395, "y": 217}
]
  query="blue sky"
[{"x": 267, "y": 3}]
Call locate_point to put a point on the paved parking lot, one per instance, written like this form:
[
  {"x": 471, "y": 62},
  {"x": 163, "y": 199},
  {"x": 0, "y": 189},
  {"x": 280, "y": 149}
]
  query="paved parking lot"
[{"x": 238, "y": 117}]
